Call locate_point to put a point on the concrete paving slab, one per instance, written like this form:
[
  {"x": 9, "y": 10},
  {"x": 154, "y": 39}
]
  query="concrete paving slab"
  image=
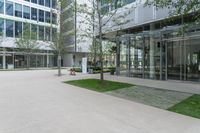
[
  {"x": 160, "y": 98},
  {"x": 38, "y": 102}
]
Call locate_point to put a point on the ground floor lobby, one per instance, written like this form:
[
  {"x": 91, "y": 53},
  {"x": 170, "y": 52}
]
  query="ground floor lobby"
[
  {"x": 15, "y": 59},
  {"x": 160, "y": 54}
]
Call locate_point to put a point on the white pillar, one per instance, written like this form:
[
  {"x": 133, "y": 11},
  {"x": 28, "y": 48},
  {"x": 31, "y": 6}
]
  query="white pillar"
[
  {"x": 4, "y": 60},
  {"x": 152, "y": 62},
  {"x": 47, "y": 60}
]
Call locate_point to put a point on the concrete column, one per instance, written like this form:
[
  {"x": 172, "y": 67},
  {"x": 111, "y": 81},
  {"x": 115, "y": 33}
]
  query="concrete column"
[
  {"x": 14, "y": 60},
  {"x": 47, "y": 60},
  {"x": 4, "y": 60},
  {"x": 152, "y": 48},
  {"x": 118, "y": 57},
  {"x": 36, "y": 61},
  {"x": 128, "y": 56}
]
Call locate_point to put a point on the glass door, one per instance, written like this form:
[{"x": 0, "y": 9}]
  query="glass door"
[
  {"x": 136, "y": 56},
  {"x": 192, "y": 49},
  {"x": 174, "y": 61}
]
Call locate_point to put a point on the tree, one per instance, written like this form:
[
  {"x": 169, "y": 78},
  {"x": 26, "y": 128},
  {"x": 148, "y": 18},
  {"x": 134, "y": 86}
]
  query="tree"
[
  {"x": 58, "y": 38},
  {"x": 99, "y": 20},
  {"x": 27, "y": 42},
  {"x": 58, "y": 47}
]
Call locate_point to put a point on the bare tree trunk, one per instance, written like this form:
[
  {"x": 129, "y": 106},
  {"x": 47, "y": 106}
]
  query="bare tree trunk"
[
  {"x": 100, "y": 38},
  {"x": 28, "y": 61},
  {"x": 59, "y": 64},
  {"x": 95, "y": 52}
]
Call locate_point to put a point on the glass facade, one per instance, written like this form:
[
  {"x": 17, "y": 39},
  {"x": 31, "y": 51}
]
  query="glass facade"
[
  {"x": 9, "y": 28},
  {"x": 9, "y": 8},
  {"x": 41, "y": 15},
  {"x": 13, "y": 27},
  {"x": 23, "y": 11},
  {"x": 47, "y": 33},
  {"x": 34, "y": 1},
  {"x": 26, "y": 13},
  {"x": 18, "y": 28},
  {"x": 34, "y": 29},
  {"x": 54, "y": 18},
  {"x": 1, "y": 26},
  {"x": 18, "y": 10},
  {"x": 47, "y": 17},
  {"x": 34, "y": 14},
  {"x": 41, "y": 32},
  {"x": 1, "y": 6},
  {"x": 41, "y": 2},
  {"x": 54, "y": 4},
  {"x": 161, "y": 55},
  {"x": 47, "y": 3}
]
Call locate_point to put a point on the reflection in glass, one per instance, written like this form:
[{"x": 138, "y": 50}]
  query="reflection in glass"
[
  {"x": 18, "y": 10},
  {"x": 9, "y": 28},
  {"x": 26, "y": 12},
  {"x": 34, "y": 14},
  {"x": 9, "y": 8},
  {"x": 18, "y": 28},
  {"x": 1, "y": 6}
]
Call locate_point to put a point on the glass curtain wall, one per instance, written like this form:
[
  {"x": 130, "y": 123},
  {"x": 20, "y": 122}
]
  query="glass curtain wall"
[
  {"x": 20, "y": 61},
  {"x": 192, "y": 49},
  {"x": 161, "y": 55},
  {"x": 183, "y": 57}
]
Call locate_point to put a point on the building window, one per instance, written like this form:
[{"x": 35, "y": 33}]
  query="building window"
[
  {"x": 47, "y": 17},
  {"x": 9, "y": 28},
  {"x": 27, "y": 0},
  {"x": 41, "y": 2},
  {"x": 54, "y": 4},
  {"x": 1, "y": 26},
  {"x": 54, "y": 18},
  {"x": 26, "y": 28},
  {"x": 54, "y": 34},
  {"x": 41, "y": 16},
  {"x": 34, "y": 1},
  {"x": 9, "y": 8},
  {"x": 34, "y": 14},
  {"x": 47, "y": 33},
  {"x": 129, "y": 1},
  {"x": 18, "y": 10},
  {"x": 1, "y": 6},
  {"x": 18, "y": 29},
  {"x": 47, "y": 3},
  {"x": 41, "y": 32},
  {"x": 34, "y": 29},
  {"x": 26, "y": 12}
]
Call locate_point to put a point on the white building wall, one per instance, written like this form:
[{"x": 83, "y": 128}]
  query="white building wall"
[{"x": 132, "y": 15}]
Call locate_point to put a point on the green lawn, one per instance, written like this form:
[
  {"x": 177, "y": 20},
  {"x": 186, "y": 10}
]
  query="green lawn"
[
  {"x": 190, "y": 107},
  {"x": 96, "y": 85}
]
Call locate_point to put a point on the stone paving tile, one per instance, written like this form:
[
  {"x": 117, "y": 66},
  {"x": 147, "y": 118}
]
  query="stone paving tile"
[{"x": 160, "y": 98}]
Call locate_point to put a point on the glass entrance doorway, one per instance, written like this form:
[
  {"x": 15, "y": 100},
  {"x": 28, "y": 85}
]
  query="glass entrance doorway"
[
  {"x": 160, "y": 56},
  {"x": 183, "y": 59}
]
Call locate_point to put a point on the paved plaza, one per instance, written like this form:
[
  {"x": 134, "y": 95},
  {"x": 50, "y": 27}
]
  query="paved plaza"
[
  {"x": 160, "y": 98},
  {"x": 39, "y": 102}
]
